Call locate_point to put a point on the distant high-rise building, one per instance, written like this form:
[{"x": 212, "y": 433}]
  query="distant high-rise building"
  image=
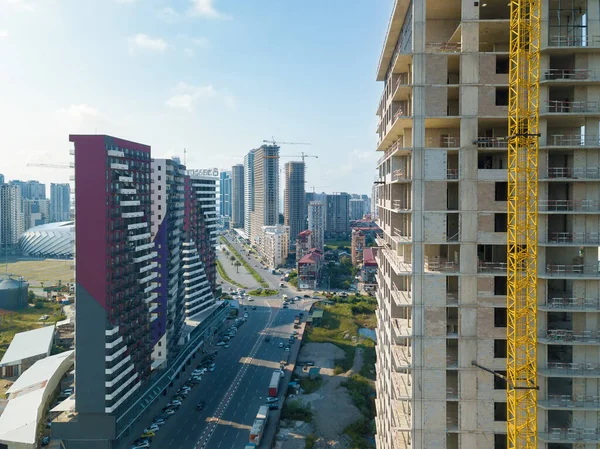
[
  {"x": 225, "y": 194},
  {"x": 366, "y": 204},
  {"x": 316, "y": 224},
  {"x": 31, "y": 190},
  {"x": 237, "y": 196},
  {"x": 266, "y": 191},
  {"x": 1, "y": 178},
  {"x": 337, "y": 218},
  {"x": 294, "y": 199},
  {"x": 11, "y": 216},
  {"x": 60, "y": 202},
  {"x": 356, "y": 209},
  {"x": 248, "y": 191},
  {"x": 374, "y": 201},
  {"x": 35, "y": 213}
]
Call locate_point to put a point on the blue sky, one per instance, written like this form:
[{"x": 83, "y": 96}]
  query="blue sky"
[{"x": 213, "y": 76}]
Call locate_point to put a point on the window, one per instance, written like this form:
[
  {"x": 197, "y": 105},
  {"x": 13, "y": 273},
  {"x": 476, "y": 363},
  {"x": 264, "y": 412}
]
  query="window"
[
  {"x": 499, "y": 411},
  {"x": 500, "y": 441},
  {"x": 500, "y": 222},
  {"x": 500, "y": 285},
  {"x": 159, "y": 188},
  {"x": 501, "y": 64},
  {"x": 500, "y": 349},
  {"x": 501, "y": 191},
  {"x": 500, "y": 317},
  {"x": 501, "y": 96},
  {"x": 159, "y": 177},
  {"x": 159, "y": 207},
  {"x": 499, "y": 383}
]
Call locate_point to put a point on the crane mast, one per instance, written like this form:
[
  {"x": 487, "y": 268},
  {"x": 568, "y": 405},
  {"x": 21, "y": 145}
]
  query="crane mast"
[{"x": 523, "y": 134}]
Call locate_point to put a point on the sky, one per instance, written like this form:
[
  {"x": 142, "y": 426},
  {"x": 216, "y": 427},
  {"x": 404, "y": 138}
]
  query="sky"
[{"x": 216, "y": 77}]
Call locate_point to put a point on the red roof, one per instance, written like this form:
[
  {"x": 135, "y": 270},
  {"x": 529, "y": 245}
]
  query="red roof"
[
  {"x": 369, "y": 257},
  {"x": 305, "y": 233},
  {"x": 312, "y": 257}
]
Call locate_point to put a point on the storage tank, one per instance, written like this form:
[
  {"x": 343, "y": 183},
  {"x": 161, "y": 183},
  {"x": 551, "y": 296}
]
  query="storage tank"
[{"x": 13, "y": 294}]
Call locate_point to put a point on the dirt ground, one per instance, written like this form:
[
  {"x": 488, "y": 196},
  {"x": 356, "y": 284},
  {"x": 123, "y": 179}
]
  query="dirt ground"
[{"x": 332, "y": 406}]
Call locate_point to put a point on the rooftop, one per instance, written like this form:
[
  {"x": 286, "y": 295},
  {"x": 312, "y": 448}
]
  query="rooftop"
[
  {"x": 312, "y": 257},
  {"x": 29, "y": 344},
  {"x": 369, "y": 257}
]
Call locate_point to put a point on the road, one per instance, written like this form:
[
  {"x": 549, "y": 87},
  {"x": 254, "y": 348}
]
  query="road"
[{"x": 239, "y": 385}]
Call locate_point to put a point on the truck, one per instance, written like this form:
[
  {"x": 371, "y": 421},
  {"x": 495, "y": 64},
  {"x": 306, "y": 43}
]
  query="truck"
[
  {"x": 297, "y": 319},
  {"x": 274, "y": 385},
  {"x": 259, "y": 425}
]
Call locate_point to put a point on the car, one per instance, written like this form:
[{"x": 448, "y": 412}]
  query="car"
[
  {"x": 200, "y": 405},
  {"x": 148, "y": 434},
  {"x": 246, "y": 315},
  {"x": 221, "y": 343},
  {"x": 271, "y": 400},
  {"x": 301, "y": 314},
  {"x": 285, "y": 306},
  {"x": 295, "y": 333},
  {"x": 280, "y": 345},
  {"x": 45, "y": 441},
  {"x": 274, "y": 406},
  {"x": 267, "y": 338},
  {"x": 296, "y": 326},
  {"x": 250, "y": 298},
  {"x": 297, "y": 298},
  {"x": 253, "y": 307},
  {"x": 287, "y": 349},
  {"x": 212, "y": 367},
  {"x": 175, "y": 403},
  {"x": 226, "y": 346},
  {"x": 142, "y": 440},
  {"x": 159, "y": 422},
  {"x": 307, "y": 296},
  {"x": 197, "y": 372},
  {"x": 142, "y": 445},
  {"x": 168, "y": 412},
  {"x": 153, "y": 428},
  {"x": 178, "y": 397}
]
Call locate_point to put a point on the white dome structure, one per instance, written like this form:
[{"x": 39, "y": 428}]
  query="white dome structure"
[{"x": 49, "y": 240}]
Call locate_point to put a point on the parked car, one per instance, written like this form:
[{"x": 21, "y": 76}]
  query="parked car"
[
  {"x": 167, "y": 413},
  {"x": 200, "y": 405},
  {"x": 148, "y": 434},
  {"x": 307, "y": 296},
  {"x": 287, "y": 349},
  {"x": 274, "y": 406},
  {"x": 221, "y": 343},
  {"x": 253, "y": 307},
  {"x": 271, "y": 400},
  {"x": 226, "y": 346},
  {"x": 280, "y": 345},
  {"x": 246, "y": 315},
  {"x": 143, "y": 445},
  {"x": 285, "y": 306},
  {"x": 159, "y": 422},
  {"x": 45, "y": 441},
  {"x": 153, "y": 428}
]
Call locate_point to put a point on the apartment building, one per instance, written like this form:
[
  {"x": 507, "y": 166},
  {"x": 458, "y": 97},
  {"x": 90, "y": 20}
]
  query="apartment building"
[
  {"x": 30, "y": 190},
  {"x": 294, "y": 199},
  {"x": 442, "y": 206},
  {"x": 237, "y": 196},
  {"x": 275, "y": 244},
  {"x": 303, "y": 244},
  {"x": 225, "y": 194},
  {"x": 11, "y": 216},
  {"x": 358, "y": 241},
  {"x": 337, "y": 218},
  {"x": 34, "y": 212},
  {"x": 357, "y": 208},
  {"x": 265, "y": 210},
  {"x": 60, "y": 202},
  {"x": 316, "y": 224},
  {"x": 310, "y": 269},
  {"x": 248, "y": 191}
]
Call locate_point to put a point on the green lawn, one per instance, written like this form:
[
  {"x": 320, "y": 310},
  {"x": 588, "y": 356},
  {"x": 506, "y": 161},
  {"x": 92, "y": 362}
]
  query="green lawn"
[
  {"x": 246, "y": 265},
  {"x": 336, "y": 243},
  {"x": 26, "y": 320},
  {"x": 225, "y": 276},
  {"x": 48, "y": 271},
  {"x": 262, "y": 292}
]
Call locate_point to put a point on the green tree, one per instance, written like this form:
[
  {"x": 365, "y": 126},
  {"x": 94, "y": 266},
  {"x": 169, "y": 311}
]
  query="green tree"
[
  {"x": 237, "y": 265},
  {"x": 30, "y": 297}
]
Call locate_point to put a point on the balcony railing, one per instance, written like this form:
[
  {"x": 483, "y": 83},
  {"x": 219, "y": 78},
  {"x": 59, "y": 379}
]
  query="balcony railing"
[
  {"x": 573, "y": 41},
  {"x": 442, "y": 142},
  {"x": 574, "y": 140},
  {"x": 441, "y": 266},
  {"x": 400, "y": 205},
  {"x": 401, "y": 175},
  {"x": 573, "y": 303},
  {"x": 569, "y": 369},
  {"x": 491, "y": 142},
  {"x": 387, "y": 153},
  {"x": 573, "y": 173},
  {"x": 571, "y": 74},
  {"x": 570, "y": 434},
  {"x": 452, "y": 173},
  {"x": 399, "y": 236},
  {"x": 491, "y": 267},
  {"x": 570, "y": 401},
  {"x": 569, "y": 205},
  {"x": 572, "y": 107},
  {"x": 575, "y": 269},
  {"x": 568, "y": 336},
  {"x": 574, "y": 237}
]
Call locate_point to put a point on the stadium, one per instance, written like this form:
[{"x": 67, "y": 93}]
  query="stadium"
[{"x": 49, "y": 240}]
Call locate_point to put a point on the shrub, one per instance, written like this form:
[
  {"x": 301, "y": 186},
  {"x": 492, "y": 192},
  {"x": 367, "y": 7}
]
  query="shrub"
[
  {"x": 39, "y": 304},
  {"x": 297, "y": 411}
]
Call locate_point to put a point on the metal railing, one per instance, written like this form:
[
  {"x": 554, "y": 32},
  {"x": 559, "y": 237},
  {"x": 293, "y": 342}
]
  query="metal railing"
[
  {"x": 573, "y": 41},
  {"x": 577, "y": 269},
  {"x": 491, "y": 267},
  {"x": 570, "y": 434},
  {"x": 452, "y": 173},
  {"x": 569, "y": 205},
  {"x": 571, "y": 74},
  {"x": 574, "y": 140},
  {"x": 400, "y": 205},
  {"x": 571, "y": 107},
  {"x": 561, "y": 368},
  {"x": 570, "y": 401},
  {"x": 491, "y": 142},
  {"x": 565, "y": 336},
  {"x": 573, "y": 303},
  {"x": 442, "y": 142},
  {"x": 573, "y": 237},
  {"x": 573, "y": 173},
  {"x": 451, "y": 392},
  {"x": 387, "y": 153},
  {"x": 401, "y": 175},
  {"x": 441, "y": 266},
  {"x": 399, "y": 236}
]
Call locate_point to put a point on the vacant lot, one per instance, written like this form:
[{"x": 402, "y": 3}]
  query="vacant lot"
[
  {"x": 26, "y": 320},
  {"x": 36, "y": 271}
]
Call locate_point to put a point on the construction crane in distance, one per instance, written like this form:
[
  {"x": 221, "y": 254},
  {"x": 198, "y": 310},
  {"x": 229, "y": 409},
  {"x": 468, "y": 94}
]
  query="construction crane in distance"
[
  {"x": 303, "y": 155},
  {"x": 274, "y": 142},
  {"x": 32, "y": 164}
]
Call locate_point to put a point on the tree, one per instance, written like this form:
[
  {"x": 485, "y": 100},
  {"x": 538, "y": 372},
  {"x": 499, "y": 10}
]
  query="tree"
[
  {"x": 237, "y": 266},
  {"x": 30, "y": 297}
]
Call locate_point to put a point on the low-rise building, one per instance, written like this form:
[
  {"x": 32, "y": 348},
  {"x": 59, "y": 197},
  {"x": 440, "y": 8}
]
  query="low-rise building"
[
  {"x": 368, "y": 272},
  {"x": 303, "y": 244},
  {"x": 358, "y": 245},
  {"x": 310, "y": 268},
  {"x": 275, "y": 245},
  {"x": 25, "y": 349}
]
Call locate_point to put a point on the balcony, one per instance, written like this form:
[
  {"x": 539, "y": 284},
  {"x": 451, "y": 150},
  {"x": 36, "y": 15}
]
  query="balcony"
[
  {"x": 116, "y": 166},
  {"x": 578, "y": 270},
  {"x": 402, "y": 356},
  {"x": 129, "y": 203},
  {"x": 443, "y": 47},
  {"x": 568, "y": 173},
  {"x": 115, "y": 153},
  {"x": 132, "y": 214},
  {"x": 576, "y": 238},
  {"x": 571, "y": 369},
  {"x": 440, "y": 265},
  {"x": 137, "y": 237},
  {"x": 571, "y": 107},
  {"x": 399, "y": 237},
  {"x": 563, "y": 336},
  {"x": 573, "y": 140},
  {"x": 401, "y": 175},
  {"x": 569, "y": 206},
  {"x": 573, "y": 41},
  {"x": 402, "y": 298},
  {"x": 491, "y": 142},
  {"x": 570, "y": 402},
  {"x": 567, "y": 75},
  {"x": 397, "y": 263},
  {"x": 569, "y": 304},
  {"x": 568, "y": 435},
  {"x": 452, "y": 173},
  {"x": 127, "y": 191},
  {"x": 388, "y": 153},
  {"x": 401, "y": 206},
  {"x": 492, "y": 267}
]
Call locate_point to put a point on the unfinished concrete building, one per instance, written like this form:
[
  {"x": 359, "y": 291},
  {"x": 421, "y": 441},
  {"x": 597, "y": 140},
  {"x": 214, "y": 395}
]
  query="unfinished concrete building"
[{"x": 442, "y": 206}]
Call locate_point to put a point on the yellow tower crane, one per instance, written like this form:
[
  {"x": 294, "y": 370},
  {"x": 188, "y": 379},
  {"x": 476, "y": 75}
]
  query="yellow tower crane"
[{"x": 523, "y": 135}]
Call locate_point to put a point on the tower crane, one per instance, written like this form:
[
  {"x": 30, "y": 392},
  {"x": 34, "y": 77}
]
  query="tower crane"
[
  {"x": 274, "y": 142},
  {"x": 521, "y": 298},
  {"x": 31, "y": 164},
  {"x": 302, "y": 155}
]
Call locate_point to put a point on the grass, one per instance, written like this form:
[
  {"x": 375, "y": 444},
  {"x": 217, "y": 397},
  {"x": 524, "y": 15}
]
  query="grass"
[
  {"x": 369, "y": 358},
  {"x": 226, "y": 277},
  {"x": 261, "y": 292},
  {"x": 26, "y": 320},
  {"x": 310, "y": 441},
  {"x": 362, "y": 392},
  {"x": 336, "y": 243},
  {"x": 311, "y": 385},
  {"x": 36, "y": 271},
  {"x": 246, "y": 265},
  {"x": 297, "y": 411}
]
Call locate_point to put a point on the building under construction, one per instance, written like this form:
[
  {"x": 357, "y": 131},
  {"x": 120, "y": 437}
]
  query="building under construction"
[{"x": 442, "y": 200}]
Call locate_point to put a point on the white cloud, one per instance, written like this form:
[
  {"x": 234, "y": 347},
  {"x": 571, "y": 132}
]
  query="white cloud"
[
  {"x": 169, "y": 15},
  {"x": 3, "y": 34},
  {"x": 186, "y": 97},
  {"x": 145, "y": 42},
  {"x": 205, "y": 8},
  {"x": 189, "y": 52},
  {"x": 79, "y": 113}
]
